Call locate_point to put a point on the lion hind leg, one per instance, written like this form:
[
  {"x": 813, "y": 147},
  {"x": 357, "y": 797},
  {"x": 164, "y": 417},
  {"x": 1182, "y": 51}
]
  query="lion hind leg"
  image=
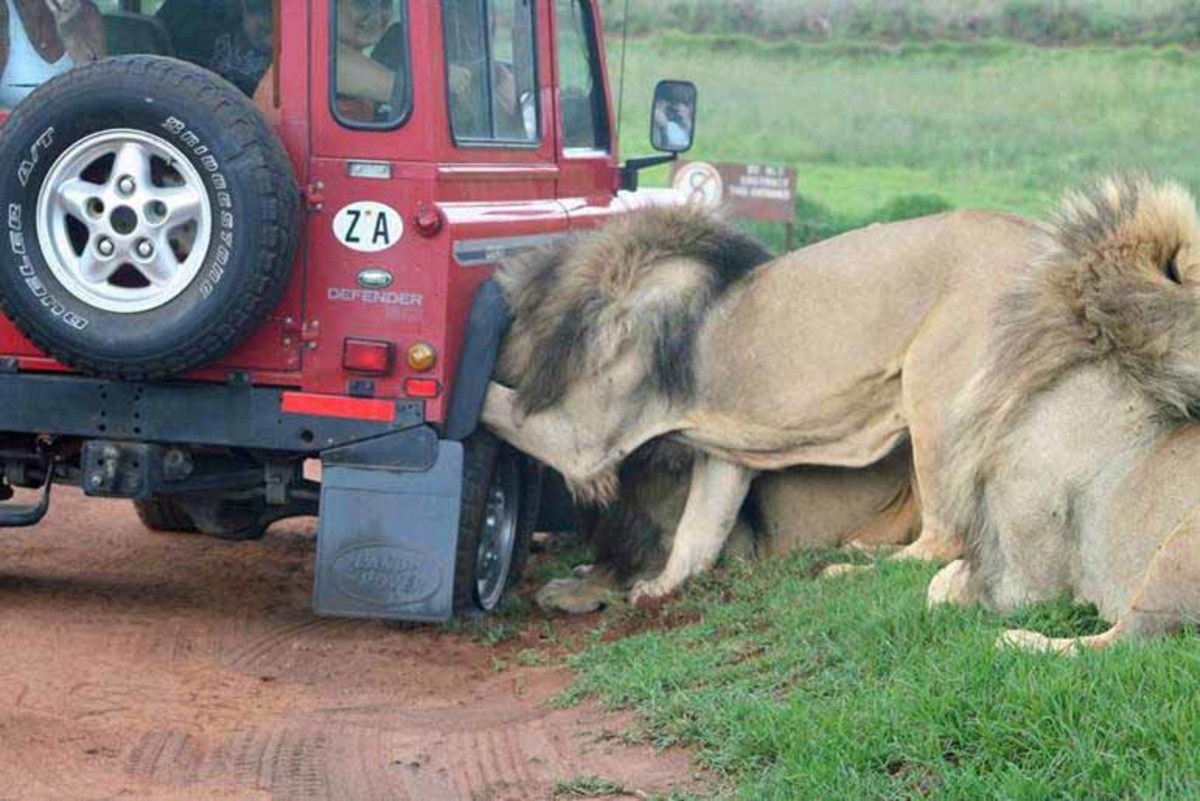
[
  {"x": 1167, "y": 598},
  {"x": 936, "y": 543},
  {"x": 884, "y": 535},
  {"x": 896, "y": 524},
  {"x": 715, "y": 497}
]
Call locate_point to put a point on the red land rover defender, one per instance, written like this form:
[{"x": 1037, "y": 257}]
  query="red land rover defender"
[{"x": 243, "y": 233}]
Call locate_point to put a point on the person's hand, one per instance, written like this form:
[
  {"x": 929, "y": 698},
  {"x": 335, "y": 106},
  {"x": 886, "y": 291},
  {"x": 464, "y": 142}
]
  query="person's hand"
[
  {"x": 64, "y": 10},
  {"x": 660, "y": 114},
  {"x": 506, "y": 89},
  {"x": 80, "y": 27},
  {"x": 460, "y": 79}
]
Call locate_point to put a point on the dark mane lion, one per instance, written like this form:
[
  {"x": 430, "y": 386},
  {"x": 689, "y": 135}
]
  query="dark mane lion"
[{"x": 645, "y": 280}]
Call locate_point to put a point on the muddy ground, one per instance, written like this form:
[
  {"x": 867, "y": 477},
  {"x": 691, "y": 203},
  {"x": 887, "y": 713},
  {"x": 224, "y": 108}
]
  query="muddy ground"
[{"x": 152, "y": 665}]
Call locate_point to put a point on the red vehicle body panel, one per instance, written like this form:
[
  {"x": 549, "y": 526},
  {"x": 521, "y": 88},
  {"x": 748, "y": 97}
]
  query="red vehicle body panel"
[{"x": 480, "y": 196}]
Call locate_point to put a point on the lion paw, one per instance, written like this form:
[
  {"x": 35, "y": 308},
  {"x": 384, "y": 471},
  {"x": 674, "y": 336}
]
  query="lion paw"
[
  {"x": 846, "y": 569},
  {"x": 949, "y": 585},
  {"x": 574, "y": 596},
  {"x": 871, "y": 550},
  {"x": 649, "y": 590}
]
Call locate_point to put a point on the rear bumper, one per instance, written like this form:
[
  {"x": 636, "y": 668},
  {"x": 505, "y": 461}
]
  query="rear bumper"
[{"x": 183, "y": 413}]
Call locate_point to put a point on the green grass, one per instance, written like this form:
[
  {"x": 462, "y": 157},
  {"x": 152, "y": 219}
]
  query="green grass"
[
  {"x": 792, "y": 687},
  {"x": 991, "y": 125},
  {"x": 796, "y": 687},
  {"x": 587, "y": 787},
  {"x": 1055, "y": 22}
]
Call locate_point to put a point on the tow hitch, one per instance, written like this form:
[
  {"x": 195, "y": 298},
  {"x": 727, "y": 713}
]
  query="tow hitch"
[{"x": 13, "y": 515}]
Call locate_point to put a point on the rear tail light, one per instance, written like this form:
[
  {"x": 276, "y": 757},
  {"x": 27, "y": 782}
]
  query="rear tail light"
[
  {"x": 422, "y": 387},
  {"x": 368, "y": 356}
]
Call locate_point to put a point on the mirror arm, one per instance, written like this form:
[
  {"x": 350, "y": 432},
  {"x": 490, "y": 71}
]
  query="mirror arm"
[{"x": 631, "y": 168}]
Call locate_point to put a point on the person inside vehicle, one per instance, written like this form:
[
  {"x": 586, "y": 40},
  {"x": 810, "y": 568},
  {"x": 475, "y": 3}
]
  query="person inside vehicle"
[
  {"x": 44, "y": 38},
  {"x": 242, "y": 55},
  {"x": 673, "y": 119},
  {"x": 361, "y": 25},
  {"x": 486, "y": 93}
]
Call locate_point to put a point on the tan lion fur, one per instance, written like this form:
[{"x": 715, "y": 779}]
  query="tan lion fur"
[
  {"x": 1075, "y": 458},
  {"x": 830, "y": 356}
]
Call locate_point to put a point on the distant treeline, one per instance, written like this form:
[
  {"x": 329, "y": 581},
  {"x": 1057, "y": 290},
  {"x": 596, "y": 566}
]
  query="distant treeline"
[{"x": 1047, "y": 23}]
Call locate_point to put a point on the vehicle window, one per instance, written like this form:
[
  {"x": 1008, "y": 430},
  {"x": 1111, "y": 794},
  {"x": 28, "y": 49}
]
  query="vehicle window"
[
  {"x": 373, "y": 85},
  {"x": 491, "y": 64},
  {"x": 581, "y": 88},
  {"x": 40, "y": 39}
]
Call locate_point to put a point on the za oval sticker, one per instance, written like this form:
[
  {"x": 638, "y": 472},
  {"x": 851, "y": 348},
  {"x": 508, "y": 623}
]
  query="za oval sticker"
[{"x": 368, "y": 226}]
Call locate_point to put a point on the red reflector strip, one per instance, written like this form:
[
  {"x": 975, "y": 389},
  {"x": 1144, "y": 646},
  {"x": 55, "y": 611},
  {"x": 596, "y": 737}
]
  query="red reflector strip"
[
  {"x": 379, "y": 411},
  {"x": 422, "y": 387}
]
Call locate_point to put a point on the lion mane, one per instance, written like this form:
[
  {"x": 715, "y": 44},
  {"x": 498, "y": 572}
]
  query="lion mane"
[
  {"x": 1104, "y": 290},
  {"x": 645, "y": 280}
]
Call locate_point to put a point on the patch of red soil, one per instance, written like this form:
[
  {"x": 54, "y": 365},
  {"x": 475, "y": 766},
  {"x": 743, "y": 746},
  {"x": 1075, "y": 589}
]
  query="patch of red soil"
[
  {"x": 176, "y": 665},
  {"x": 656, "y": 615}
]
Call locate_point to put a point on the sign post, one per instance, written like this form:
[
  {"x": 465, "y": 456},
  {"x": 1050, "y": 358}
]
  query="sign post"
[{"x": 763, "y": 192}]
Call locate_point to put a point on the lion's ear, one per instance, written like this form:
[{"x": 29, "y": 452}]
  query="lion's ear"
[{"x": 1184, "y": 266}]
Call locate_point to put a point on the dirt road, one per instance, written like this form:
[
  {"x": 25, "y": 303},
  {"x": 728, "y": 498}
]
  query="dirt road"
[{"x": 134, "y": 663}]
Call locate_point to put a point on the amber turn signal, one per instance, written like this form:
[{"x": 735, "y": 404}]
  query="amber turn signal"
[{"x": 422, "y": 357}]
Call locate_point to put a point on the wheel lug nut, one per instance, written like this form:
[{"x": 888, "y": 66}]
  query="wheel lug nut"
[
  {"x": 126, "y": 185},
  {"x": 145, "y": 249},
  {"x": 105, "y": 246}
]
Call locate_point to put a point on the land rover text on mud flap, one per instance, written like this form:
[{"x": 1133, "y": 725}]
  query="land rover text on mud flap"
[{"x": 242, "y": 234}]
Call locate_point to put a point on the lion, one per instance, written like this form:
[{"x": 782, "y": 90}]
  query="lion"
[
  {"x": 829, "y": 356},
  {"x": 1074, "y": 464},
  {"x": 870, "y": 509}
]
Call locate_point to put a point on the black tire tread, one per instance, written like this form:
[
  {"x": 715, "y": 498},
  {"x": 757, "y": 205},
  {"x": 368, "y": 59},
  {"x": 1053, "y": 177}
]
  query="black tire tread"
[
  {"x": 264, "y": 161},
  {"x": 163, "y": 514},
  {"x": 481, "y": 452}
]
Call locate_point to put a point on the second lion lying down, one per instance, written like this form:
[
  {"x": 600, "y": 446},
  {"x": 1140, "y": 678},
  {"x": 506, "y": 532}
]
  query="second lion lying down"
[{"x": 798, "y": 509}]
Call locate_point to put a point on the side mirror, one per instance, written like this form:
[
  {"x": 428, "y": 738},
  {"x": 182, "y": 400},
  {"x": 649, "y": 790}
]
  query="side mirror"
[{"x": 673, "y": 116}]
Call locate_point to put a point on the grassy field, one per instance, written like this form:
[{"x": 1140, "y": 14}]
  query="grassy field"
[
  {"x": 992, "y": 125},
  {"x": 1054, "y": 22},
  {"x": 795, "y": 687}
]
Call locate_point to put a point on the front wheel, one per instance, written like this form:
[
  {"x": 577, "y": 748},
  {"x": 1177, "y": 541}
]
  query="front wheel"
[{"x": 501, "y": 490}]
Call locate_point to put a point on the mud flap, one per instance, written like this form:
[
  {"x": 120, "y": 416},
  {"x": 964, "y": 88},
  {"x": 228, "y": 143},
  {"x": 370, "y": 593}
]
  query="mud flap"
[{"x": 389, "y": 530}]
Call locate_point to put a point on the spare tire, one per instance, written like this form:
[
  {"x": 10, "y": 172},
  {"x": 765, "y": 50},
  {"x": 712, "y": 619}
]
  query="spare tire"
[{"x": 152, "y": 215}]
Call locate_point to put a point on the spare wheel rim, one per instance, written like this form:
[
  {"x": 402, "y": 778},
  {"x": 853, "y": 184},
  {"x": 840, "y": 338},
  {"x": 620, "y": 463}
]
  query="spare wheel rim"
[{"x": 124, "y": 221}]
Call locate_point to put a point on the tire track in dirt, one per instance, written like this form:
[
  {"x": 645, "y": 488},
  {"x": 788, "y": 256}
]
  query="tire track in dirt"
[{"x": 178, "y": 666}]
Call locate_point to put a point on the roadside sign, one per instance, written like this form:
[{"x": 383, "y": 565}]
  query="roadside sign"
[
  {"x": 763, "y": 192},
  {"x": 699, "y": 182}
]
